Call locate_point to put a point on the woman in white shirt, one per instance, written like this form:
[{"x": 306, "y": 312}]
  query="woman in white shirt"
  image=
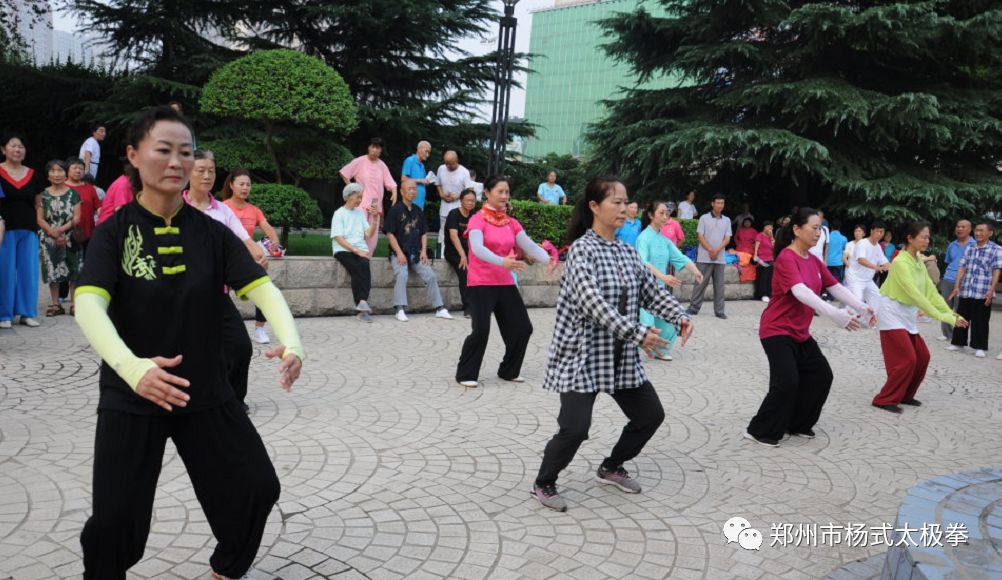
[{"x": 350, "y": 227}]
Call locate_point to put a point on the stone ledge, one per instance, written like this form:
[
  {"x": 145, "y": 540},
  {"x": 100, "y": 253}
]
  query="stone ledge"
[{"x": 320, "y": 286}]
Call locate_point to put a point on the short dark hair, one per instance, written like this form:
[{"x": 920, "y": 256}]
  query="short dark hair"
[
  {"x": 75, "y": 161},
  {"x": 56, "y": 163},
  {"x": 376, "y": 142},
  {"x": 878, "y": 225},
  {"x": 987, "y": 224},
  {"x": 142, "y": 127},
  {"x": 95, "y": 126},
  {"x": 717, "y": 196},
  {"x": 494, "y": 180}
]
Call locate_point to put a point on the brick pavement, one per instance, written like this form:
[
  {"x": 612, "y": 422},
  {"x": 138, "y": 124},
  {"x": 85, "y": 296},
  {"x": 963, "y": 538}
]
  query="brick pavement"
[{"x": 391, "y": 470}]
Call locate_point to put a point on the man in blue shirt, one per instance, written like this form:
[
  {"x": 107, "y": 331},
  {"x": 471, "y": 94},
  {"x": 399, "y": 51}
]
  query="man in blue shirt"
[
  {"x": 836, "y": 249},
  {"x": 414, "y": 169},
  {"x": 550, "y": 193},
  {"x": 954, "y": 252},
  {"x": 630, "y": 230}
]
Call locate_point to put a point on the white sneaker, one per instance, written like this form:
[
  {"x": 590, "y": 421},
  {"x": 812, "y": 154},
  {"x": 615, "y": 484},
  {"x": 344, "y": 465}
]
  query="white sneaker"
[
  {"x": 469, "y": 384},
  {"x": 30, "y": 322},
  {"x": 980, "y": 353},
  {"x": 363, "y": 306},
  {"x": 518, "y": 379},
  {"x": 666, "y": 357},
  {"x": 443, "y": 313},
  {"x": 261, "y": 335},
  {"x": 5, "y": 324},
  {"x": 941, "y": 338},
  {"x": 401, "y": 316},
  {"x": 765, "y": 299},
  {"x": 999, "y": 357},
  {"x": 954, "y": 348}
]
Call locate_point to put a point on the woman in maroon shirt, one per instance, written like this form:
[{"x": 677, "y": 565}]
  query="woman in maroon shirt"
[{"x": 799, "y": 374}]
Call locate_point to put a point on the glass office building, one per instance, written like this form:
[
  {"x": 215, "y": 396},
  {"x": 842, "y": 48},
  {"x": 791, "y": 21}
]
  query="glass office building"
[{"x": 571, "y": 74}]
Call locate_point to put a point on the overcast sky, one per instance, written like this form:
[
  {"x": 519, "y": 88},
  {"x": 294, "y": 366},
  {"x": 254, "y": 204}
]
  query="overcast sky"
[{"x": 523, "y": 12}]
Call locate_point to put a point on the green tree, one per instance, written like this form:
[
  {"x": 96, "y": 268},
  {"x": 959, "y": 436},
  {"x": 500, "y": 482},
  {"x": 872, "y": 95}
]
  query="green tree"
[
  {"x": 527, "y": 175},
  {"x": 287, "y": 206},
  {"x": 276, "y": 88},
  {"x": 863, "y": 107}
]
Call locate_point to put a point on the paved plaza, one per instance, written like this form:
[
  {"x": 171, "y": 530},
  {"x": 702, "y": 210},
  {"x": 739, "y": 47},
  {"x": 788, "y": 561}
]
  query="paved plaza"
[{"x": 391, "y": 470}]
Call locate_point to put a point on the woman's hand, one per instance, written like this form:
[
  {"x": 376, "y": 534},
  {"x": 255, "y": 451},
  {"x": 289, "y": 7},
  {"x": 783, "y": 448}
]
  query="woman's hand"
[
  {"x": 513, "y": 265},
  {"x": 288, "y": 371},
  {"x": 686, "y": 331},
  {"x": 361, "y": 253},
  {"x": 671, "y": 281},
  {"x": 652, "y": 342},
  {"x": 961, "y": 322},
  {"x": 160, "y": 387},
  {"x": 462, "y": 263},
  {"x": 552, "y": 265}
]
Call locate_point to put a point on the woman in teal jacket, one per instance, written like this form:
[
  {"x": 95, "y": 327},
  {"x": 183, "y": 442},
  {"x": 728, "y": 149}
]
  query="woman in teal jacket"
[{"x": 658, "y": 253}]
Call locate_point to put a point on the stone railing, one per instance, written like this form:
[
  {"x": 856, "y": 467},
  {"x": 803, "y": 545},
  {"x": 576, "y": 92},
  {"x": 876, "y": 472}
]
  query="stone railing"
[{"x": 320, "y": 286}]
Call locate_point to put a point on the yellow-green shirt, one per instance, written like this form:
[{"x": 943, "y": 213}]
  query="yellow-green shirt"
[{"x": 908, "y": 282}]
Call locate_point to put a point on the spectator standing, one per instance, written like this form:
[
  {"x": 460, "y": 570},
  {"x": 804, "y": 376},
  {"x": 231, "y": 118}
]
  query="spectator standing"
[
  {"x": 630, "y": 230},
  {"x": 820, "y": 249},
  {"x": 977, "y": 278},
  {"x": 687, "y": 209},
  {"x": 452, "y": 179},
  {"x": 763, "y": 256},
  {"x": 954, "y": 252},
  {"x": 867, "y": 260},
  {"x": 672, "y": 229},
  {"x": 835, "y": 260},
  {"x": 90, "y": 151},
  {"x": 349, "y": 227},
  {"x": 60, "y": 255},
  {"x": 407, "y": 233},
  {"x": 477, "y": 187},
  {"x": 858, "y": 233},
  {"x": 235, "y": 194},
  {"x": 90, "y": 203},
  {"x": 414, "y": 169},
  {"x": 714, "y": 231},
  {"x": 19, "y": 252},
  {"x": 119, "y": 194},
  {"x": 457, "y": 248},
  {"x": 907, "y": 291},
  {"x": 550, "y": 192},
  {"x": 372, "y": 173}
]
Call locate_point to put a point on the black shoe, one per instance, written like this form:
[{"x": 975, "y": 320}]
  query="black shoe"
[
  {"x": 691, "y": 312},
  {"x": 762, "y": 440},
  {"x": 890, "y": 408},
  {"x": 808, "y": 434},
  {"x": 913, "y": 403},
  {"x": 722, "y": 316}
]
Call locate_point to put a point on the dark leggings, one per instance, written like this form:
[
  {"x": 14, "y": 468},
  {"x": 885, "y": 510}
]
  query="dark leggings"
[
  {"x": 642, "y": 407},
  {"x": 232, "y": 476},
  {"x": 799, "y": 381},
  {"x": 361, "y": 275},
  {"x": 453, "y": 260}
]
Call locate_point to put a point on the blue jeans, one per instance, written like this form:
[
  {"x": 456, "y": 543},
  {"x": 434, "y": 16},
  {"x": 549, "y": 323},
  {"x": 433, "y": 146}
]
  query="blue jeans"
[{"x": 19, "y": 275}]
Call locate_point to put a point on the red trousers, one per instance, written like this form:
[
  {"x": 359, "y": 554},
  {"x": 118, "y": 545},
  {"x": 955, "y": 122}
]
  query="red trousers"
[{"x": 906, "y": 359}]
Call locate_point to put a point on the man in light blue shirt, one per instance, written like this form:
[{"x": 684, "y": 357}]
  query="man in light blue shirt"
[
  {"x": 630, "y": 230},
  {"x": 836, "y": 248},
  {"x": 954, "y": 252},
  {"x": 550, "y": 193},
  {"x": 414, "y": 169},
  {"x": 714, "y": 230}
]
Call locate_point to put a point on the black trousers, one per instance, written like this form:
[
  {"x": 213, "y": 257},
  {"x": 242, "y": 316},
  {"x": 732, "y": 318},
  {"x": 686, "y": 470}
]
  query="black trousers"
[
  {"x": 361, "y": 276},
  {"x": 763, "y": 281},
  {"x": 258, "y": 315},
  {"x": 799, "y": 381},
  {"x": 237, "y": 349},
  {"x": 974, "y": 311},
  {"x": 513, "y": 321},
  {"x": 453, "y": 261},
  {"x": 232, "y": 476},
  {"x": 642, "y": 407}
]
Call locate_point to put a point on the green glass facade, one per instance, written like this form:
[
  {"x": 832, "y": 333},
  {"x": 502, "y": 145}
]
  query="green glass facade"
[{"x": 571, "y": 74}]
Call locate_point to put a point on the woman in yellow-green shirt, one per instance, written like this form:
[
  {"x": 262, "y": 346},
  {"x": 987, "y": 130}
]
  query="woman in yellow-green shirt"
[{"x": 908, "y": 290}]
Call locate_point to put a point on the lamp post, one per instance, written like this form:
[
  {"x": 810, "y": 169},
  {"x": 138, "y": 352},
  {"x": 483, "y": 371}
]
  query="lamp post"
[{"x": 502, "y": 90}]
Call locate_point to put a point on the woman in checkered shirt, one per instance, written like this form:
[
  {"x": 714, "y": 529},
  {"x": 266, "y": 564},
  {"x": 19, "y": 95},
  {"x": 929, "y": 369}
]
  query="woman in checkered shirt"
[{"x": 594, "y": 348}]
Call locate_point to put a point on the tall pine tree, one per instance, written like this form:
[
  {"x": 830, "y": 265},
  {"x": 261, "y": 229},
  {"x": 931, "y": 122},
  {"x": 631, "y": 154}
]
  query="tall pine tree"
[{"x": 870, "y": 108}]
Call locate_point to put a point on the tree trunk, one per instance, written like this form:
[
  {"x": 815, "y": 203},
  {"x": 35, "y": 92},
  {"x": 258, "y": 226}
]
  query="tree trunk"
[
  {"x": 284, "y": 237},
  {"x": 269, "y": 130}
]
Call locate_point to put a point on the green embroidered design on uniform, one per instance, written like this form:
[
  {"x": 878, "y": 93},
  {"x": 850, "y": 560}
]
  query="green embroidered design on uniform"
[{"x": 133, "y": 262}]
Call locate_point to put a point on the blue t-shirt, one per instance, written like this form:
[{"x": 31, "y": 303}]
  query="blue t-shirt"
[
  {"x": 629, "y": 232},
  {"x": 551, "y": 194},
  {"x": 836, "y": 248},
  {"x": 954, "y": 252},
  {"x": 414, "y": 168}
]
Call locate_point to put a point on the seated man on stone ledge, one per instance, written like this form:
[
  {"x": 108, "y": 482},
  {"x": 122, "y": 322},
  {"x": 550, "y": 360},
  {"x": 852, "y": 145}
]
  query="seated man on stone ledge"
[{"x": 407, "y": 233}]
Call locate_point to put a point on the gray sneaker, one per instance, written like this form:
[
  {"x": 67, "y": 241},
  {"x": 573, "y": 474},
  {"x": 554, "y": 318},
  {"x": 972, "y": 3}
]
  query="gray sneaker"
[
  {"x": 618, "y": 477},
  {"x": 548, "y": 496},
  {"x": 364, "y": 317}
]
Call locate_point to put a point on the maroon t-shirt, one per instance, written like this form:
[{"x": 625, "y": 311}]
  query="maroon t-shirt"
[{"x": 785, "y": 315}]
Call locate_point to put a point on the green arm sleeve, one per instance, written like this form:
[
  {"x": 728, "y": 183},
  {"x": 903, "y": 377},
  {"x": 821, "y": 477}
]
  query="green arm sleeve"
[
  {"x": 269, "y": 299},
  {"x": 92, "y": 318}
]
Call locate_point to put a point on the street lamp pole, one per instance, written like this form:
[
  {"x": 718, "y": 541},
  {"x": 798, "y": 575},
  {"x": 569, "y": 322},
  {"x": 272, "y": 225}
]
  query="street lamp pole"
[{"x": 502, "y": 90}]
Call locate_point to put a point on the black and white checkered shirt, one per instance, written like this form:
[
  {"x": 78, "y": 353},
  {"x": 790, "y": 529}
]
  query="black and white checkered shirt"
[{"x": 597, "y": 334}]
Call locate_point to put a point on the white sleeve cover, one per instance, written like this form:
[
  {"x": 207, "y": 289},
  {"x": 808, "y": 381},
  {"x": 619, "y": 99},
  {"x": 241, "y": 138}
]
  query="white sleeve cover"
[
  {"x": 843, "y": 295},
  {"x": 480, "y": 250},
  {"x": 839, "y": 316},
  {"x": 531, "y": 248}
]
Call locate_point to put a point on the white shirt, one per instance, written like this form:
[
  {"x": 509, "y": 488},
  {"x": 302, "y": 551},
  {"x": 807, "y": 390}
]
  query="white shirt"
[
  {"x": 819, "y": 248},
  {"x": 864, "y": 249},
  {"x": 686, "y": 210},
  {"x": 479, "y": 189},
  {"x": 350, "y": 224},
  {"x": 893, "y": 315},
  {"x": 94, "y": 148},
  {"x": 452, "y": 182}
]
